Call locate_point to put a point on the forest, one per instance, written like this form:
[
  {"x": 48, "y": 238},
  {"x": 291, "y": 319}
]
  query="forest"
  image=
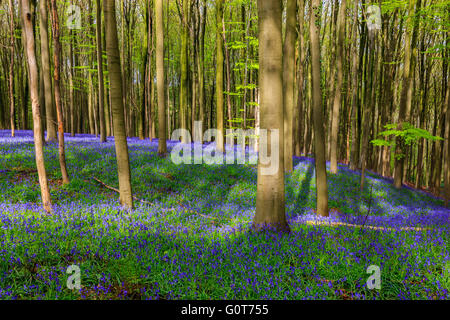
[{"x": 224, "y": 149}]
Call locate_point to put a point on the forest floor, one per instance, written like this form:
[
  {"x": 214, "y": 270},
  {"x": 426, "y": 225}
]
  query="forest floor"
[{"x": 189, "y": 236}]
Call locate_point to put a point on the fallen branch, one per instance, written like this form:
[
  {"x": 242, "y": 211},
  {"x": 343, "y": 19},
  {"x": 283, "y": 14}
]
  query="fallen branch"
[
  {"x": 143, "y": 201},
  {"x": 117, "y": 190},
  {"x": 195, "y": 212},
  {"x": 334, "y": 224}
]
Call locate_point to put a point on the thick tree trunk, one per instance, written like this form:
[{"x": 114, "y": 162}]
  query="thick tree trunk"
[
  {"x": 319, "y": 138},
  {"x": 37, "y": 124},
  {"x": 115, "y": 80},
  {"x": 270, "y": 196}
]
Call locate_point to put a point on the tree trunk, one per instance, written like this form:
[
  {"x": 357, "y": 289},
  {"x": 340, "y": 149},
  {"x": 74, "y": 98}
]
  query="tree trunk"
[
  {"x": 37, "y": 125},
  {"x": 184, "y": 71},
  {"x": 338, "y": 90},
  {"x": 319, "y": 138},
  {"x": 270, "y": 196},
  {"x": 101, "y": 90},
  {"x": 407, "y": 91},
  {"x": 219, "y": 77},
  {"x": 447, "y": 130},
  {"x": 115, "y": 80},
  {"x": 57, "y": 74},
  {"x": 11, "y": 69},
  {"x": 160, "y": 78},
  {"x": 49, "y": 110},
  {"x": 288, "y": 82}
]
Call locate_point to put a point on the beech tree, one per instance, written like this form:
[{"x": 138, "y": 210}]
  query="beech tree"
[
  {"x": 45, "y": 56},
  {"x": 288, "y": 82},
  {"x": 219, "y": 77},
  {"x": 319, "y": 138},
  {"x": 57, "y": 88},
  {"x": 270, "y": 195},
  {"x": 117, "y": 107},
  {"x": 162, "y": 146},
  {"x": 37, "y": 123}
]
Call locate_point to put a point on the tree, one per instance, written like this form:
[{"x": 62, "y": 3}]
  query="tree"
[
  {"x": 447, "y": 171},
  {"x": 160, "y": 78},
  {"x": 288, "y": 82},
  {"x": 57, "y": 77},
  {"x": 115, "y": 80},
  {"x": 270, "y": 198},
  {"x": 184, "y": 69},
  {"x": 319, "y": 138},
  {"x": 407, "y": 89},
  {"x": 101, "y": 89},
  {"x": 45, "y": 56},
  {"x": 11, "y": 68},
  {"x": 37, "y": 123},
  {"x": 219, "y": 77},
  {"x": 338, "y": 89}
]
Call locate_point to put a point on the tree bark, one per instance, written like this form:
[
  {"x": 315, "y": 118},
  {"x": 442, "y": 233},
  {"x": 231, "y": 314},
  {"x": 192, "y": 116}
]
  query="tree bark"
[
  {"x": 270, "y": 196},
  {"x": 11, "y": 69},
  {"x": 45, "y": 55},
  {"x": 160, "y": 78},
  {"x": 219, "y": 77},
  {"x": 338, "y": 90},
  {"x": 288, "y": 82},
  {"x": 115, "y": 80},
  {"x": 37, "y": 124},
  {"x": 407, "y": 90},
  {"x": 101, "y": 89},
  {"x": 319, "y": 138},
  {"x": 57, "y": 75}
]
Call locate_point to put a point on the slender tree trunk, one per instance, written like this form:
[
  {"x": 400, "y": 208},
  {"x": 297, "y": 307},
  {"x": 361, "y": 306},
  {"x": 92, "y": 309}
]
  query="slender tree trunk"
[
  {"x": 338, "y": 90},
  {"x": 407, "y": 91},
  {"x": 37, "y": 124},
  {"x": 115, "y": 80},
  {"x": 288, "y": 82},
  {"x": 201, "y": 65},
  {"x": 57, "y": 75},
  {"x": 50, "y": 114},
  {"x": 319, "y": 138},
  {"x": 71, "y": 87},
  {"x": 300, "y": 126},
  {"x": 219, "y": 77},
  {"x": 101, "y": 89},
  {"x": 270, "y": 196},
  {"x": 184, "y": 70},
  {"x": 160, "y": 78},
  {"x": 11, "y": 69},
  {"x": 447, "y": 130}
]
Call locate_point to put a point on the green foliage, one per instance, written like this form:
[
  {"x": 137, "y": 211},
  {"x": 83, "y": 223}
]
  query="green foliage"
[{"x": 408, "y": 133}]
